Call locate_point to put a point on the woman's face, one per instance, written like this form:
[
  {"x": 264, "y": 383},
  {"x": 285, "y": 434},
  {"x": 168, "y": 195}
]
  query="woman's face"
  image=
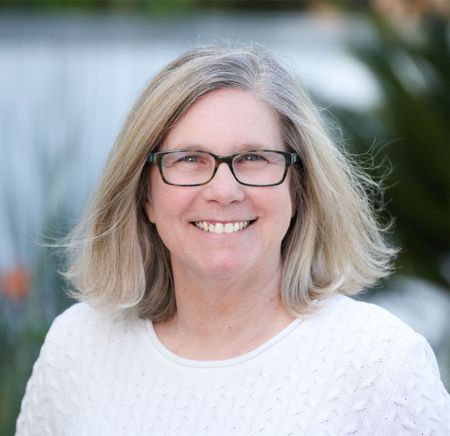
[{"x": 224, "y": 122}]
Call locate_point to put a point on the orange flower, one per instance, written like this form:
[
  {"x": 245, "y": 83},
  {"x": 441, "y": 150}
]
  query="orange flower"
[{"x": 15, "y": 283}]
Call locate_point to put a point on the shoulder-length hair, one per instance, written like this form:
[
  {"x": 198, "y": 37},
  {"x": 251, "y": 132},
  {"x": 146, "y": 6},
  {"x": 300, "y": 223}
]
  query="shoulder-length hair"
[{"x": 116, "y": 259}]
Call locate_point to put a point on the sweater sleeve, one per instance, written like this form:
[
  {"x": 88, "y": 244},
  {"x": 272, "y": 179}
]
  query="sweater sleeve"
[
  {"x": 419, "y": 404},
  {"x": 43, "y": 404}
]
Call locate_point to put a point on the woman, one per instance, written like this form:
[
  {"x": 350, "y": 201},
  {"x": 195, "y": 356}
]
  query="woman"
[{"x": 212, "y": 265}]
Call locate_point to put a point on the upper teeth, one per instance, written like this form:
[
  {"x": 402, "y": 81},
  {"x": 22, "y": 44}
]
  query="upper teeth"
[{"x": 222, "y": 227}]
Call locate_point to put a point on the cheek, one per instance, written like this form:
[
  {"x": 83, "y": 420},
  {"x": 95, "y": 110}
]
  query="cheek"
[
  {"x": 166, "y": 204},
  {"x": 280, "y": 207}
]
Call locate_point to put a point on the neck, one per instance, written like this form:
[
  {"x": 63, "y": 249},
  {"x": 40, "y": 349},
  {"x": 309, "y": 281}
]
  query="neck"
[{"x": 217, "y": 320}]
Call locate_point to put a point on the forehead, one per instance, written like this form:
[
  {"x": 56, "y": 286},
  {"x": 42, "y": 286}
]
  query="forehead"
[{"x": 227, "y": 120}]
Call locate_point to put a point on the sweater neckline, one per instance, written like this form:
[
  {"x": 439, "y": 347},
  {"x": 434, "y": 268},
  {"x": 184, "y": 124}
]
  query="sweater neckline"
[{"x": 168, "y": 355}]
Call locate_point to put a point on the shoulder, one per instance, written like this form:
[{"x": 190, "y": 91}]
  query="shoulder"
[
  {"x": 375, "y": 330},
  {"x": 349, "y": 307},
  {"x": 359, "y": 339},
  {"x": 81, "y": 326},
  {"x": 75, "y": 316},
  {"x": 82, "y": 337},
  {"x": 386, "y": 361},
  {"x": 358, "y": 319},
  {"x": 372, "y": 334},
  {"x": 365, "y": 340},
  {"x": 82, "y": 315}
]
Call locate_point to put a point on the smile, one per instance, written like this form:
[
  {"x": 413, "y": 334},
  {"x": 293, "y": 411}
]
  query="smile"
[{"x": 222, "y": 227}]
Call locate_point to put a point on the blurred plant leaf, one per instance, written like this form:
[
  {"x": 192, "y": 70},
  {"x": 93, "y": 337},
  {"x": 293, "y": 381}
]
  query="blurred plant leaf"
[{"x": 412, "y": 121}]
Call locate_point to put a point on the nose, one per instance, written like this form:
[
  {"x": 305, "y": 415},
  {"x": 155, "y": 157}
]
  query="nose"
[{"x": 223, "y": 188}]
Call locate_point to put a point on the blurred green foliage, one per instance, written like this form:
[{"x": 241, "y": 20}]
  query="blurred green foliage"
[
  {"x": 15, "y": 365},
  {"x": 24, "y": 323},
  {"x": 32, "y": 293},
  {"x": 410, "y": 128}
]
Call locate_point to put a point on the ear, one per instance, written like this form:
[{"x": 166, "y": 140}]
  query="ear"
[
  {"x": 295, "y": 196},
  {"x": 147, "y": 203},
  {"x": 149, "y": 210},
  {"x": 294, "y": 204}
]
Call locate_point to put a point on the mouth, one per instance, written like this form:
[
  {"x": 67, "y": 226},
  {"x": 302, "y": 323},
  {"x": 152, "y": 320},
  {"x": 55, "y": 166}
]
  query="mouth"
[{"x": 219, "y": 228}]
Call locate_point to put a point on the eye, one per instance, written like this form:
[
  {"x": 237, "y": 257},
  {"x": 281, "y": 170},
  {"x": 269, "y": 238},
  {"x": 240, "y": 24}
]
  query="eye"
[
  {"x": 251, "y": 158},
  {"x": 190, "y": 158},
  {"x": 182, "y": 159}
]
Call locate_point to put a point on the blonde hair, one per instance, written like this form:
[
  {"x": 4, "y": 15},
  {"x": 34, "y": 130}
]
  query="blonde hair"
[{"x": 116, "y": 259}]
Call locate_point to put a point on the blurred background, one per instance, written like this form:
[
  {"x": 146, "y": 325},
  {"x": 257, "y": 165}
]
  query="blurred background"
[{"x": 70, "y": 71}]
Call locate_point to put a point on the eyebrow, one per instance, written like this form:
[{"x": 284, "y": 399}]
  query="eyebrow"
[{"x": 241, "y": 148}]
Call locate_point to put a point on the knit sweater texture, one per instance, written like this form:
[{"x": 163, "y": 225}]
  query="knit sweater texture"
[{"x": 349, "y": 369}]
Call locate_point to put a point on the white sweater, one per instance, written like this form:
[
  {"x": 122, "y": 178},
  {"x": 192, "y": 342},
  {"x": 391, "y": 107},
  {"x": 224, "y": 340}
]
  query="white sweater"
[{"x": 350, "y": 369}]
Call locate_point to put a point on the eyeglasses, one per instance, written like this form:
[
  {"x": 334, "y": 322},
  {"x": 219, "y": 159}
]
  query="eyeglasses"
[{"x": 250, "y": 168}]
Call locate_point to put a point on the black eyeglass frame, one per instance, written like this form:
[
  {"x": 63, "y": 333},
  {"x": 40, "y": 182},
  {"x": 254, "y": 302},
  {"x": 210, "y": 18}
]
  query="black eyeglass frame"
[{"x": 289, "y": 159}]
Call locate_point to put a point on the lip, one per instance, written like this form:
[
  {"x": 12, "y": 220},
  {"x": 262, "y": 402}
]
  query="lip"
[
  {"x": 250, "y": 221},
  {"x": 222, "y": 221}
]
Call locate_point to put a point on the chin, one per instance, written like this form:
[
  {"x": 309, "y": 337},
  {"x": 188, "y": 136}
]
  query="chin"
[{"x": 223, "y": 267}]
